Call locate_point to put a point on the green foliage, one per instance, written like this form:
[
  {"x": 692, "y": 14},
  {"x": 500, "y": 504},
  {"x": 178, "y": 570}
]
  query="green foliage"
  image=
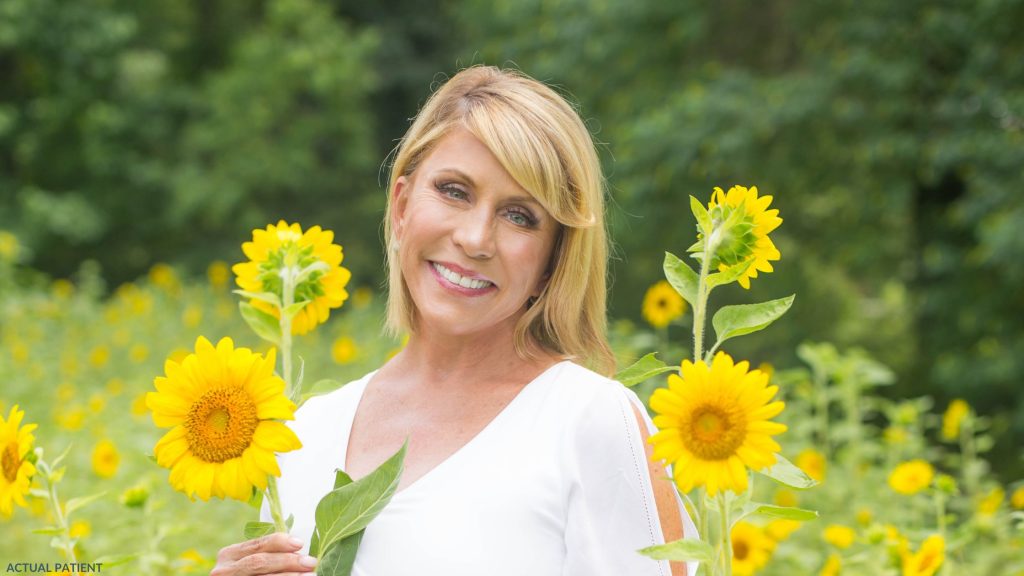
[
  {"x": 643, "y": 369},
  {"x": 890, "y": 135},
  {"x": 681, "y": 277},
  {"x": 343, "y": 513},
  {"x": 740, "y": 319},
  {"x": 784, "y": 472},
  {"x": 682, "y": 550}
]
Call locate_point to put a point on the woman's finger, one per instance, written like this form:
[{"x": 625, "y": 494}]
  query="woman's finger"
[
  {"x": 274, "y": 563},
  {"x": 271, "y": 543}
]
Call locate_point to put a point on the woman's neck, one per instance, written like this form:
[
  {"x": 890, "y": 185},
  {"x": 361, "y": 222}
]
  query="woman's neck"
[{"x": 462, "y": 363}]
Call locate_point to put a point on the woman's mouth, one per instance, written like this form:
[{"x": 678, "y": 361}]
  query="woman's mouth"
[{"x": 459, "y": 280}]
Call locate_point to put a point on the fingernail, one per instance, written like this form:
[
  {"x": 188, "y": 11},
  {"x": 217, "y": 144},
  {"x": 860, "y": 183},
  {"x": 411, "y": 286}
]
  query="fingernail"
[
  {"x": 308, "y": 561},
  {"x": 294, "y": 541}
]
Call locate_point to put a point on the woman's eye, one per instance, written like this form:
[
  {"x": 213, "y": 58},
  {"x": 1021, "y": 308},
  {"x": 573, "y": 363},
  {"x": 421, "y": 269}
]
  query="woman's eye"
[
  {"x": 452, "y": 191},
  {"x": 521, "y": 219}
]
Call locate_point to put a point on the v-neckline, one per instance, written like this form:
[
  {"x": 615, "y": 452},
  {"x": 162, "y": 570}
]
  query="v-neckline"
[{"x": 461, "y": 449}]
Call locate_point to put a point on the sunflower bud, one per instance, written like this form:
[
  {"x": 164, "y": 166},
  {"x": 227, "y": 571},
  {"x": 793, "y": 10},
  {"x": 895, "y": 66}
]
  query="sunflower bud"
[
  {"x": 135, "y": 497},
  {"x": 734, "y": 232},
  {"x": 283, "y": 257}
]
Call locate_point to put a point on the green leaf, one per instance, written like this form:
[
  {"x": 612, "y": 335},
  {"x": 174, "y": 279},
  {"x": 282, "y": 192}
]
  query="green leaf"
[
  {"x": 48, "y": 531},
  {"x": 264, "y": 325},
  {"x": 701, "y": 214},
  {"x": 341, "y": 478},
  {"x": 289, "y": 521},
  {"x": 318, "y": 266},
  {"x": 348, "y": 509},
  {"x": 729, "y": 275},
  {"x": 686, "y": 550},
  {"x": 268, "y": 297},
  {"x": 314, "y": 543},
  {"x": 737, "y": 320},
  {"x": 340, "y": 558},
  {"x": 294, "y": 308},
  {"x": 642, "y": 369},
  {"x": 112, "y": 560},
  {"x": 256, "y": 498},
  {"x": 785, "y": 472},
  {"x": 784, "y": 512},
  {"x": 56, "y": 461},
  {"x": 319, "y": 388},
  {"x": 81, "y": 502},
  {"x": 256, "y": 529},
  {"x": 57, "y": 474},
  {"x": 681, "y": 277}
]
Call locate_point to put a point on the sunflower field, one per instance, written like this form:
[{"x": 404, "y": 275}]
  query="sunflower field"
[{"x": 876, "y": 486}]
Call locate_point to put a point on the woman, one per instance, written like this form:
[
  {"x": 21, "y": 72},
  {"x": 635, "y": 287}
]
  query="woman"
[{"x": 520, "y": 460}]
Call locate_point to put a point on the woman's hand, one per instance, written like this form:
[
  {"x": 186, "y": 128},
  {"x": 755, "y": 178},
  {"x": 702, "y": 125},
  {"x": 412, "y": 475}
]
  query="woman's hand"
[{"x": 276, "y": 554}]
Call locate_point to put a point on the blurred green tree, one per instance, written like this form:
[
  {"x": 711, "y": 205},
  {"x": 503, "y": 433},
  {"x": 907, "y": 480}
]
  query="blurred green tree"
[{"x": 890, "y": 135}]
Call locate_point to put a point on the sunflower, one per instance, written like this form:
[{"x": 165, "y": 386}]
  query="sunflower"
[
  {"x": 751, "y": 548},
  {"x": 840, "y": 536},
  {"x": 927, "y": 560},
  {"x": 1017, "y": 499},
  {"x": 813, "y": 463},
  {"x": 105, "y": 459},
  {"x": 748, "y": 240},
  {"x": 714, "y": 424},
  {"x": 286, "y": 246},
  {"x": 779, "y": 530},
  {"x": 15, "y": 470},
  {"x": 953, "y": 419},
  {"x": 344, "y": 350},
  {"x": 832, "y": 566},
  {"x": 221, "y": 405},
  {"x": 911, "y": 477},
  {"x": 662, "y": 304},
  {"x": 990, "y": 503}
]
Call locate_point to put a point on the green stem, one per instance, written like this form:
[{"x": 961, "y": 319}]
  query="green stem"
[
  {"x": 700, "y": 308},
  {"x": 62, "y": 521},
  {"x": 969, "y": 455},
  {"x": 725, "y": 537},
  {"x": 288, "y": 296},
  {"x": 940, "y": 512},
  {"x": 821, "y": 410},
  {"x": 275, "y": 505}
]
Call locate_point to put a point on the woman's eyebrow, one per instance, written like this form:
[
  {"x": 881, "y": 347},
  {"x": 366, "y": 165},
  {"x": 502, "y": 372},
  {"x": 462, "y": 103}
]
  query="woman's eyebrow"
[
  {"x": 469, "y": 179},
  {"x": 520, "y": 198}
]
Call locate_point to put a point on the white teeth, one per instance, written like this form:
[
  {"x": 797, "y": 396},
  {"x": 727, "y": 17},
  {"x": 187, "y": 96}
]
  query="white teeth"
[{"x": 455, "y": 278}]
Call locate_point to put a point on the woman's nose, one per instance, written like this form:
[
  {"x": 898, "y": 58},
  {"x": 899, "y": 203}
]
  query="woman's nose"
[{"x": 474, "y": 233}]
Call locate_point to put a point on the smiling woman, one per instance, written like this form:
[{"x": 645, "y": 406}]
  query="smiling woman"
[{"x": 523, "y": 456}]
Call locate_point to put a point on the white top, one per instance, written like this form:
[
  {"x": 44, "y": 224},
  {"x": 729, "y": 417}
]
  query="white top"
[{"x": 556, "y": 485}]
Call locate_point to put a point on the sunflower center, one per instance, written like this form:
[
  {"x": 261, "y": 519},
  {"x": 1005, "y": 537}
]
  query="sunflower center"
[
  {"x": 11, "y": 461},
  {"x": 221, "y": 424},
  {"x": 740, "y": 549},
  {"x": 715, "y": 434},
  {"x": 662, "y": 303}
]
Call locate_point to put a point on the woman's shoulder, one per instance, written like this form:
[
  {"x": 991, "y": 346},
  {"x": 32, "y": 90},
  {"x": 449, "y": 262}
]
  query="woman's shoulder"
[
  {"x": 591, "y": 402},
  {"x": 581, "y": 385}
]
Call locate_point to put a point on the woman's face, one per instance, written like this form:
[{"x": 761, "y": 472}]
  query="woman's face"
[{"x": 473, "y": 244}]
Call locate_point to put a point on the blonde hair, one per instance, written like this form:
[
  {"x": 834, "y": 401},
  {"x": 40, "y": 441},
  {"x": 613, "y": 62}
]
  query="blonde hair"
[{"x": 542, "y": 143}]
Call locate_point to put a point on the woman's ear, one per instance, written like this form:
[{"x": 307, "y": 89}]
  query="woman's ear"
[
  {"x": 399, "y": 200},
  {"x": 542, "y": 284}
]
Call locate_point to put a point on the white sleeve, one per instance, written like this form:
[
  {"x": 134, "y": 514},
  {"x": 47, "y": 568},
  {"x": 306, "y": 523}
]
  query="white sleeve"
[{"x": 611, "y": 510}]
